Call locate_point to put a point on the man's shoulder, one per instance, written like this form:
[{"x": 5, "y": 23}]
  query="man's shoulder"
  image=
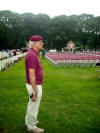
[{"x": 30, "y": 54}]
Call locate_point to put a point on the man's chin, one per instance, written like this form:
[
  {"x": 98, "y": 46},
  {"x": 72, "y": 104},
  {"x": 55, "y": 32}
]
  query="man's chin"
[{"x": 41, "y": 48}]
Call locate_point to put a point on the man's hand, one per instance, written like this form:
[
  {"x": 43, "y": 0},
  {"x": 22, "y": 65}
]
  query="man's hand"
[{"x": 34, "y": 98}]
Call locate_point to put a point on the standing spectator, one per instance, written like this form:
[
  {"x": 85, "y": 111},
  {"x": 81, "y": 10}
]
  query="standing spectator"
[
  {"x": 10, "y": 53},
  {"x": 43, "y": 53},
  {"x": 14, "y": 52},
  {"x": 34, "y": 80}
]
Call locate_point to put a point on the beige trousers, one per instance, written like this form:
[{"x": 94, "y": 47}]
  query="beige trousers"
[{"x": 32, "y": 107}]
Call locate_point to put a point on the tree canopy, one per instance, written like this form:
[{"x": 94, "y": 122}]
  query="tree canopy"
[{"x": 15, "y": 30}]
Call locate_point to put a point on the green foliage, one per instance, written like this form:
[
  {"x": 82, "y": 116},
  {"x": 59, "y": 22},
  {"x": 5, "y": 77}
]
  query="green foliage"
[{"x": 15, "y": 30}]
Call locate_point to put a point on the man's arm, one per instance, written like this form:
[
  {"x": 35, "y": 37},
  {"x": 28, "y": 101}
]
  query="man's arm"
[{"x": 32, "y": 78}]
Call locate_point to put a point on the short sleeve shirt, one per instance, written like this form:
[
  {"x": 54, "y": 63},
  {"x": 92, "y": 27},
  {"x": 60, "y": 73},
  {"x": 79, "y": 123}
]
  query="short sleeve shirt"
[{"x": 32, "y": 60}]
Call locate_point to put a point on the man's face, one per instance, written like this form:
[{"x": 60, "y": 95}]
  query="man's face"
[{"x": 40, "y": 45}]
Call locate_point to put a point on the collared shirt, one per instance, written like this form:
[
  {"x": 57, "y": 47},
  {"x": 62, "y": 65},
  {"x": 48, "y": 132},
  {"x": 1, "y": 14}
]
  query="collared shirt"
[{"x": 32, "y": 60}]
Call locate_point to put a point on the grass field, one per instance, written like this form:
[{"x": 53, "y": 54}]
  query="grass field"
[{"x": 70, "y": 102}]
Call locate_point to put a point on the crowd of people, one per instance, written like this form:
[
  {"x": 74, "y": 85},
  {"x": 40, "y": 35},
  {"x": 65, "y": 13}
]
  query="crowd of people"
[{"x": 10, "y": 53}]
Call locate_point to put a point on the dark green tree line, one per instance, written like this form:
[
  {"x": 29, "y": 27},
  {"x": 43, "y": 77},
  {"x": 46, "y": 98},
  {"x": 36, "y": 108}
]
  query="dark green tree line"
[{"x": 15, "y": 30}]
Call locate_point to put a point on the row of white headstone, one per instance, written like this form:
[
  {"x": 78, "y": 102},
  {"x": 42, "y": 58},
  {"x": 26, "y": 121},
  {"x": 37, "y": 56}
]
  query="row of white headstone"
[
  {"x": 6, "y": 62},
  {"x": 74, "y": 63}
]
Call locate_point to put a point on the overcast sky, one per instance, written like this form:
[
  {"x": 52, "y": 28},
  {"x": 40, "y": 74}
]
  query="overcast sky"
[{"x": 52, "y": 7}]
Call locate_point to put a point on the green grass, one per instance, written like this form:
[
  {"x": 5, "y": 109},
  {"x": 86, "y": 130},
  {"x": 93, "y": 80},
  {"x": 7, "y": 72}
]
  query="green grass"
[{"x": 70, "y": 101}]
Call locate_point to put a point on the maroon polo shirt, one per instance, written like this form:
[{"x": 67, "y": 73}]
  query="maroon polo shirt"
[{"x": 32, "y": 60}]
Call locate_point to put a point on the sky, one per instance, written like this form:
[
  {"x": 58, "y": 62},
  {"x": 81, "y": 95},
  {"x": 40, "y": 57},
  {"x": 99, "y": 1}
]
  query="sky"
[{"x": 52, "y": 7}]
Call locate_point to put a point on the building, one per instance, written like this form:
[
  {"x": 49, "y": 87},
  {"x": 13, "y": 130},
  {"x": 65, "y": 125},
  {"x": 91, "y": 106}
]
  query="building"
[{"x": 70, "y": 46}]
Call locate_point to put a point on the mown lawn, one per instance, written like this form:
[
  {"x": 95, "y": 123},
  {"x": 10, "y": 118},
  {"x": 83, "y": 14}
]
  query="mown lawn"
[{"x": 70, "y": 102}]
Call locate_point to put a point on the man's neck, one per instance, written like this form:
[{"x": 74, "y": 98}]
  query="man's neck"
[{"x": 35, "y": 49}]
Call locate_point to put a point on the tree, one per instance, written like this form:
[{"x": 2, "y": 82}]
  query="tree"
[{"x": 15, "y": 30}]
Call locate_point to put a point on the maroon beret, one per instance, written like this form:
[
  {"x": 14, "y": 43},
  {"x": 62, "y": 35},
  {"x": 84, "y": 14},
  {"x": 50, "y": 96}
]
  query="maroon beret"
[{"x": 35, "y": 38}]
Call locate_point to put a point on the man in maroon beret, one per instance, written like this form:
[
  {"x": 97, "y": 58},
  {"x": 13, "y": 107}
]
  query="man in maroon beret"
[{"x": 34, "y": 80}]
